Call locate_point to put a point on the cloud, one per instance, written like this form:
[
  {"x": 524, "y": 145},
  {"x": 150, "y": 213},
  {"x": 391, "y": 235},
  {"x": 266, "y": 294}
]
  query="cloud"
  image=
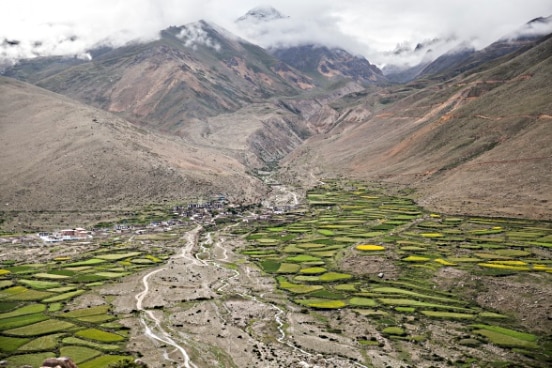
[
  {"x": 372, "y": 28},
  {"x": 193, "y": 35}
]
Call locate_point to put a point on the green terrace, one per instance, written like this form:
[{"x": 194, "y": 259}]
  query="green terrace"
[
  {"x": 354, "y": 221},
  {"x": 35, "y": 322}
]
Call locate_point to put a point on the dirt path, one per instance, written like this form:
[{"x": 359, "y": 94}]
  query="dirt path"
[
  {"x": 156, "y": 332},
  {"x": 209, "y": 307}
]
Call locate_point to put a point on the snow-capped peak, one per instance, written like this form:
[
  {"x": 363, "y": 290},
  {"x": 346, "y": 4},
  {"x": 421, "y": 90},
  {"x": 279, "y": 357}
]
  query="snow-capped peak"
[{"x": 261, "y": 14}]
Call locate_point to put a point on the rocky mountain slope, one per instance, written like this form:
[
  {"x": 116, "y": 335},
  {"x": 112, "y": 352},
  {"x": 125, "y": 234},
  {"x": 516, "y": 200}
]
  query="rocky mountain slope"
[
  {"x": 60, "y": 155},
  {"x": 477, "y": 143},
  {"x": 191, "y": 72},
  {"x": 206, "y": 107},
  {"x": 326, "y": 64}
]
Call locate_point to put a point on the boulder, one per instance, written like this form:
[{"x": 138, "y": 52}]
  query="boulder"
[{"x": 61, "y": 362}]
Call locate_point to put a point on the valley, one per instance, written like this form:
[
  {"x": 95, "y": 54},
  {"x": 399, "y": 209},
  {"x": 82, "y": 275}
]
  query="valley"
[
  {"x": 287, "y": 206},
  {"x": 354, "y": 277}
]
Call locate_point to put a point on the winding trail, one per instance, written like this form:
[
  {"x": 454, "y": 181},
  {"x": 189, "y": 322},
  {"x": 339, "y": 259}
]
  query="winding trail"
[{"x": 156, "y": 332}]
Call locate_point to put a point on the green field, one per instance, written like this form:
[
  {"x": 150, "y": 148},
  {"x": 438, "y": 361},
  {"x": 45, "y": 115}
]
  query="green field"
[{"x": 418, "y": 244}]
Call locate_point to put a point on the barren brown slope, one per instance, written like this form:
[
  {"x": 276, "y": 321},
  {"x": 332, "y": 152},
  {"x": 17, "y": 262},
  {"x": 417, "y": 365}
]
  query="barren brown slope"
[
  {"x": 58, "y": 154},
  {"x": 477, "y": 144},
  {"x": 191, "y": 72}
]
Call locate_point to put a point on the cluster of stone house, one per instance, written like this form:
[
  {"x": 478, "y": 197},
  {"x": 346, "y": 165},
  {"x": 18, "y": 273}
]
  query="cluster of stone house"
[{"x": 65, "y": 235}]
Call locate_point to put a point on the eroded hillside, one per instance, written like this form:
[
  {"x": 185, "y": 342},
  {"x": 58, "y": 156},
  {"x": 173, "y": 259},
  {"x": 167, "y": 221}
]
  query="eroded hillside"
[
  {"x": 477, "y": 143},
  {"x": 60, "y": 155}
]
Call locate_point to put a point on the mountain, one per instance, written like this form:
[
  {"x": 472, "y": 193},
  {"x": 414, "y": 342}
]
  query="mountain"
[
  {"x": 213, "y": 96},
  {"x": 472, "y": 144},
  {"x": 60, "y": 155},
  {"x": 464, "y": 58},
  {"x": 325, "y": 64},
  {"x": 260, "y": 14},
  {"x": 191, "y": 72}
]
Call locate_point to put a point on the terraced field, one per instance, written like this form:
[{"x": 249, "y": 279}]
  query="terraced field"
[
  {"x": 37, "y": 321},
  {"x": 407, "y": 270}
]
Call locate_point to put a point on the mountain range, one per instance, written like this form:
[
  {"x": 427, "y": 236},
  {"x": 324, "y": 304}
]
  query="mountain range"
[{"x": 201, "y": 111}]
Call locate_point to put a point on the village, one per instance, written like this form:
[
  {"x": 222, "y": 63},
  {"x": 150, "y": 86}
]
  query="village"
[{"x": 215, "y": 211}]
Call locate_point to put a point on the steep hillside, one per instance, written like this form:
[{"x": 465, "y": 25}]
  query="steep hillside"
[
  {"x": 330, "y": 64},
  {"x": 193, "y": 71},
  {"x": 478, "y": 144},
  {"x": 60, "y": 155}
]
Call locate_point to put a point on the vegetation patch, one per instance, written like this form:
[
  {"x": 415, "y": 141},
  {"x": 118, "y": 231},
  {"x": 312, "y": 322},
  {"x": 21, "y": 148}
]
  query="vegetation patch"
[
  {"x": 313, "y": 270},
  {"x": 33, "y": 360},
  {"x": 283, "y": 283},
  {"x": 103, "y": 361},
  {"x": 64, "y": 296},
  {"x": 413, "y": 258},
  {"x": 37, "y": 284},
  {"x": 322, "y": 303},
  {"x": 48, "y": 342},
  {"x": 363, "y": 302},
  {"x": 448, "y": 315},
  {"x": 85, "y": 312},
  {"x": 99, "y": 335},
  {"x": 92, "y": 344},
  {"x": 41, "y": 328},
  {"x": 28, "y": 309},
  {"x": 303, "y": 258},
  {"x": 11, "y": 344},
  {"x": 334, "y": 276},
  {"x": 88, "y": 262},
  {"x": 394, "y": 331},
  {"x": 22, "y": 320},
  {"x": 370, "y": 247},
  {"x": 117, "y": 256},
  {"x": 79, "y": 354},
  {"x": 42, "y": 275}
]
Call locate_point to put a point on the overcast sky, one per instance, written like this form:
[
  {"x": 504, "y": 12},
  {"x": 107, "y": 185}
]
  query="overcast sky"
[{"x": 366, "y": 27}]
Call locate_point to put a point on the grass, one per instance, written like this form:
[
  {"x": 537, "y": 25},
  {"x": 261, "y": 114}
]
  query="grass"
[
  {"x": 99, "y": 335},
  {"x": 79, "y": 354},
  {"x": 64, "y": 296},
  {"x": 370, "y": 247},
  {"x": 33, "y": 360},
  {"x": 76, "y": 341},
  {"x": 334, "y": 276},
  {"x": 50, "y": 276},
  {"x": 103, "y": 361},
  {"x": 313, "y": 270},
  {"x": 41, "y": 328},
  {"x": 394, "y": 331},
  {"x": 288, "y": 268},
  {"x": 425, "y": 243},
  {"x": 296, "y": 288},
  {"x": 362, "y": 302},
  {"x": 20, "y": 321},
  {"x": 11, "y": 344},
  {"x": 117, "y": 256},
  {"x": 448, "y": 315},
  {"x": 28, "y": 309},
  {"x": 84, "y": 312},
  {"x": 40, "y": 285},
  {"x": 506, "y": 331},
  {"x": 303, "y": 258},
  {"x": 504, "y": 340},
  {"x": 48, "y": 342},
  {"x": 322, "y": 303},
  {"x": 416, "y": 303}
]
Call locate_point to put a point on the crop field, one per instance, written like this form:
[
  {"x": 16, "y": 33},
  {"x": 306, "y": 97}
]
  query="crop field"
[
  {"x": 35, "y": 322},
  {"x": 379, "y": 256}
]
